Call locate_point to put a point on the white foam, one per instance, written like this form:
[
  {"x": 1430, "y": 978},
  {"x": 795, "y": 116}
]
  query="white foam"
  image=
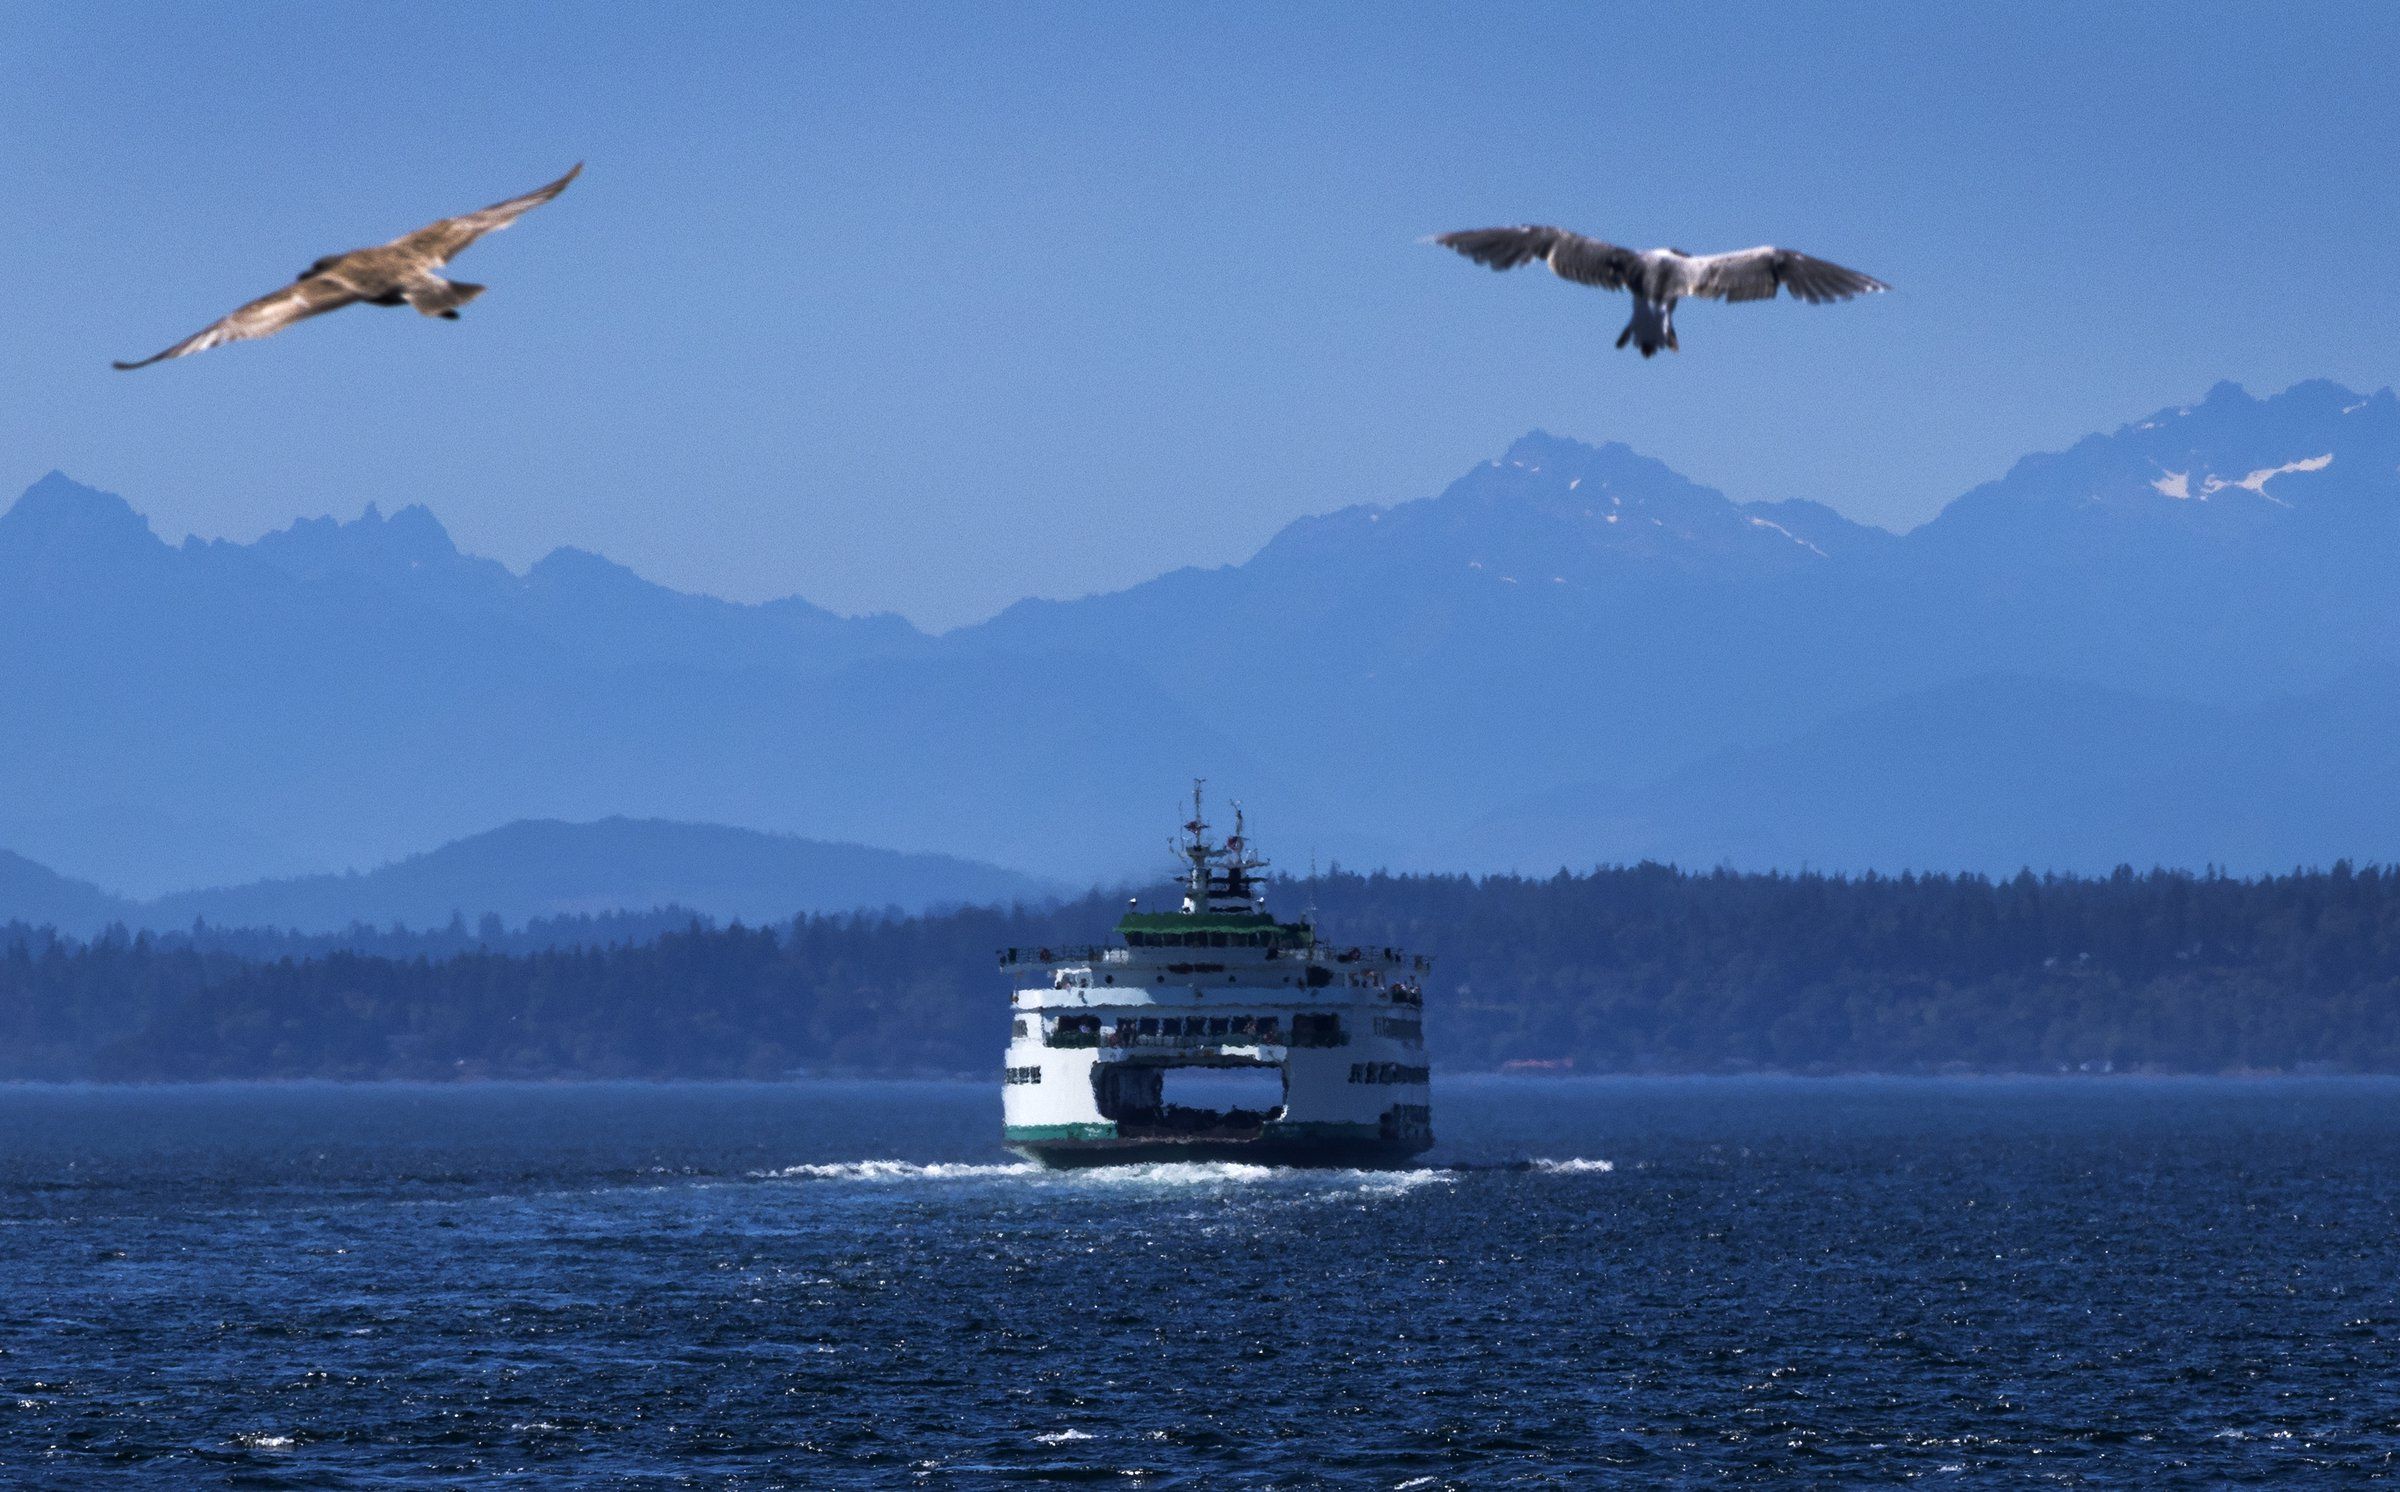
[
  {"x": 1575, "y": 1166},
  {"x": 1061, "y": 1437},
  {"x": 1181, "y": 1173},
  {"x": 259, "y": 1440},
  {"x": 896, "y": 1170},
  {"x": 1164, "y": 1176},
  {"x": 1397, "y": 1183}
]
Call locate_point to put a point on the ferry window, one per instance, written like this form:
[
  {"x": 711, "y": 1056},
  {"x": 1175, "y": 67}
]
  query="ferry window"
[
  {"x": 1219, "y": 1025},
  {"x": 1017, "y": 1027},
  {"x": 1149, "y": 1026},
  {"x": 1243, "y": 1025},
  {"x": 1108, "y": 978}
]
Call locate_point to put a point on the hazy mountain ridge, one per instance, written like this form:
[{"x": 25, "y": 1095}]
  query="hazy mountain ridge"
[
  {"x": 1566, "y": 624},
  {"x": 41, "y": 897},
  {"x": 536, "y": 869},
  {"x": 361, "y": 690}
]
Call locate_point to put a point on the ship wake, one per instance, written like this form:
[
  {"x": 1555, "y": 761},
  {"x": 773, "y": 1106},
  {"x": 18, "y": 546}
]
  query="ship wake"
[
  {"x": 896, "y": 1170},
  {"x": 1161, "y": 1176}
]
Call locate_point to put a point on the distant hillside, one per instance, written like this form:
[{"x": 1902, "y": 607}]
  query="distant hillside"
[
  {"x": 540, "y": 869},
  {"x": 36, "y": 895},
  {"x": 1636, "y": 970},
  {"x": 1571, "y": 653}
]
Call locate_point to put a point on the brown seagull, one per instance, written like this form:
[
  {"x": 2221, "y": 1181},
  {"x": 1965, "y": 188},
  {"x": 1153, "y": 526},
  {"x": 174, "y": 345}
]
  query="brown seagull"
[
  {"x": 1660, "y": 277},
  {"x": 387, "y": 275}
]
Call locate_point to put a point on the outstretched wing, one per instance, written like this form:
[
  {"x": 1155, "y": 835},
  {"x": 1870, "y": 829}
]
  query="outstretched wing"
[
  {"x": 437, "y": 243},
  {"x": 1756, "y": 274},
  {"x": 264, "y": 316},
  {"x": 1571, "y": 256}
]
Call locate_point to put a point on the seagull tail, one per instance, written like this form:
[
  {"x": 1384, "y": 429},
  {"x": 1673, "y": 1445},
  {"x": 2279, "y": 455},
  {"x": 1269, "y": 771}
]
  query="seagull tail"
[
  {"x": 442, "y": 297},
  {"x": 1652, "y": 327}
]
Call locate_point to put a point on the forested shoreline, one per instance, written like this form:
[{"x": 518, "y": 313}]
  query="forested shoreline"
[{"x": 1640, "y": 969}]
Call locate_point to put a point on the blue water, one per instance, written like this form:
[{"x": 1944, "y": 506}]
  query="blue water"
[{"x": 2100, "y": 1283}]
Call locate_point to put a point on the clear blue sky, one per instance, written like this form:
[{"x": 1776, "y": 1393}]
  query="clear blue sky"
[{"x": 926, "y": 308}]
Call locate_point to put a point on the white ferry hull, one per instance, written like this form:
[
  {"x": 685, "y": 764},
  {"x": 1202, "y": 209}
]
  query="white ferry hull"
[
  {"x": 1087, "y": 1086},
  {"x": 1344, "y": 1151}
]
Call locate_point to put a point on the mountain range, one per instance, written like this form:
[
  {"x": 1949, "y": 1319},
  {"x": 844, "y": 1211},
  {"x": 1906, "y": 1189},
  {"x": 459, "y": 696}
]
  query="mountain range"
[
  {"x": 2173, "y": 642},
  {"x": 546, "y": 869}
]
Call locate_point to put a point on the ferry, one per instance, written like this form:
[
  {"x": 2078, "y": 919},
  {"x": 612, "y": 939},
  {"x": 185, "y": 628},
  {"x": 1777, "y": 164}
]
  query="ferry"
[{"x": 1116, "y": 1051}]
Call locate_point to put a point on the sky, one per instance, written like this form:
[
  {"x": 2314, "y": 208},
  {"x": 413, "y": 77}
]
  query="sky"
[{"x": 928, "y": 308}]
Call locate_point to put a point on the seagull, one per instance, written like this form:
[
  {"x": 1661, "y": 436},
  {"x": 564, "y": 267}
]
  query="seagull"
[
  {"x": 1660, "y": 277},
  {"x": 387, "y": 275}
]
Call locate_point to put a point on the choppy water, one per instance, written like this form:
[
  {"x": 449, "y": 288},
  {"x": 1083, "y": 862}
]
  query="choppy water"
[{"x": 2117, "y": 1283}]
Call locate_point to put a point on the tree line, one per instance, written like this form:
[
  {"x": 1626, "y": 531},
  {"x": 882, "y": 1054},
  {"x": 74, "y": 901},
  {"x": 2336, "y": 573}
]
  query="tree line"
[{"x": 1636, "y": 969}]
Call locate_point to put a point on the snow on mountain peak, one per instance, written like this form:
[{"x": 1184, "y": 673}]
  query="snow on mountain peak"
[
  {"x": 2257, "y": 480},
  {"x": 2178, "y": 484},
  {"x": 1756, "y": 522}
]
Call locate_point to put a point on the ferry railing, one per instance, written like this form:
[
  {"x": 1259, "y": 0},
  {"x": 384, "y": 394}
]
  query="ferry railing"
[
  {"x": 1099, "y": 953},
  {"x": 1179, "y": 1039},
  {"x": 1090, "y": 953}
]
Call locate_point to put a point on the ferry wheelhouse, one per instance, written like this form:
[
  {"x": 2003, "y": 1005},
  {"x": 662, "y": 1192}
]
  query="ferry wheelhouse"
[{"x": 1128, "y": 1052}]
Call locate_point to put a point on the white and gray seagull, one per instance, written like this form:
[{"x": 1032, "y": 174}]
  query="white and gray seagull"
[
  {"x": 1658, "y": 278},
  {"x": 396, "y": 273}
]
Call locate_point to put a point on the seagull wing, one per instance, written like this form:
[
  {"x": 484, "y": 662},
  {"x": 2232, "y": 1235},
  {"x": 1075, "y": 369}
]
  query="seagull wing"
[
  {"x": 438, "y": 243},
  {"x": 1586, "y": 261},
  {"x": 1756, "y": 274},
  {"x": 265, "y": 316}
]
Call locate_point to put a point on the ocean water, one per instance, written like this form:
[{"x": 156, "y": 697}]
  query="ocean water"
[{"x": 2111, "y": 1283}]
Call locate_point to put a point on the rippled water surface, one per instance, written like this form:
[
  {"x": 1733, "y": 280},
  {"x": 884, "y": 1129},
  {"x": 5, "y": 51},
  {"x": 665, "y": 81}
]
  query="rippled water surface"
[{"x": 2120, "y": 1283}]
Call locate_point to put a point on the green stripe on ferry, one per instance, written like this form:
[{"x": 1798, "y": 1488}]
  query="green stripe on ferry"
[{"x": 1030, "y": 1132}]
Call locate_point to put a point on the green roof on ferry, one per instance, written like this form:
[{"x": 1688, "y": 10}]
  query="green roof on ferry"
[{"x": 1189, "y": 922}]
